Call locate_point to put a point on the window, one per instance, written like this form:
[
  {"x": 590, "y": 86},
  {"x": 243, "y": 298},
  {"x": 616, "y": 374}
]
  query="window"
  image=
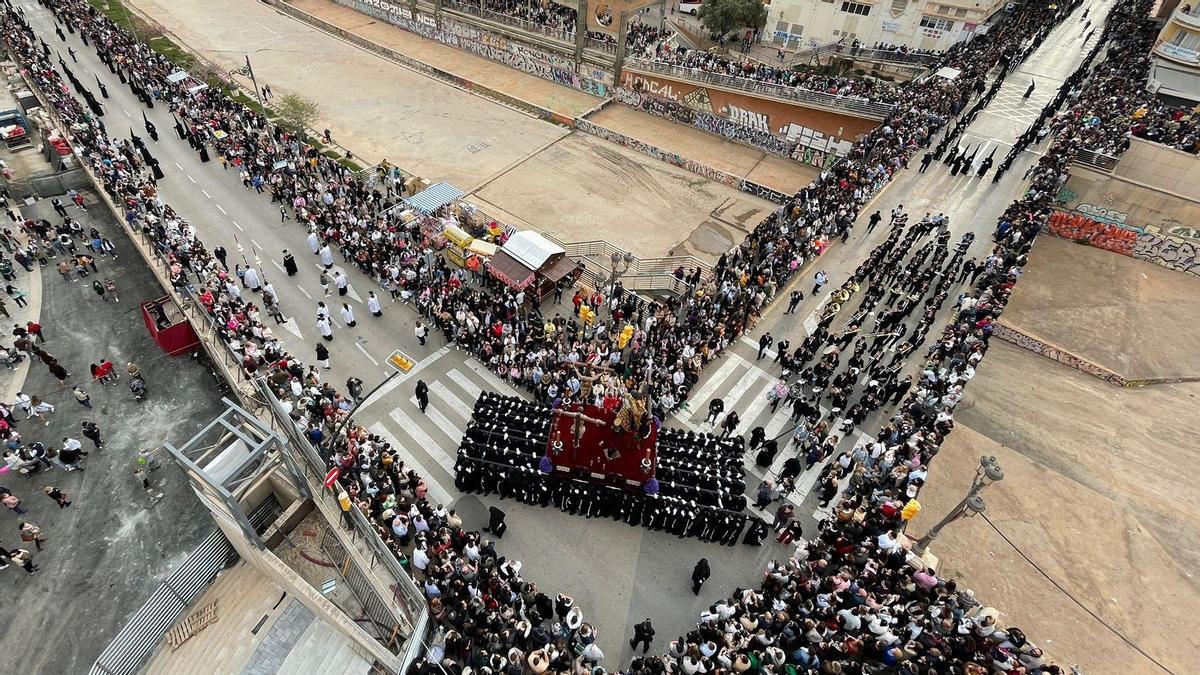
[
  {"x": 898, "y": 7},
  {"x": 1186, "y": 40},
  {"x": 960, "y": 12},
  {"x": 943, "y": 9},
  {"x": 856, "y": 8},
  {"x": 936, "y": 23}
]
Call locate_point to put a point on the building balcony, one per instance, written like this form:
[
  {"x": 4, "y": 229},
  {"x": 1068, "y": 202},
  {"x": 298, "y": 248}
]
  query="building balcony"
[
  {"x": 1190, "y": 18},
  {"x": 1171, "y": 52}
]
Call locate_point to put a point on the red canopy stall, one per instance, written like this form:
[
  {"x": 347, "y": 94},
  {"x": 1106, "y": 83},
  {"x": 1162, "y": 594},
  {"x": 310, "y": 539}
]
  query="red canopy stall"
[{"x": 169, "y": 326}]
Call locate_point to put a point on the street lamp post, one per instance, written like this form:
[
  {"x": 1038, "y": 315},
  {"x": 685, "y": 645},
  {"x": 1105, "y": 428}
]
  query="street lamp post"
[
  {"x": 621, "y": 262},
  {"x": 971, "y": 505}
]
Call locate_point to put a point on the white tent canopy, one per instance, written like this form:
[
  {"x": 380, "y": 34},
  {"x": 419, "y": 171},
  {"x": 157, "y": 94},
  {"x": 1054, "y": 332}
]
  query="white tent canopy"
[{"x": 531, "y": 248}]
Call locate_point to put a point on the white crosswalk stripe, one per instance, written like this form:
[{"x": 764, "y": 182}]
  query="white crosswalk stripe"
[
  {"x": 699, "y": 398},
  {"x": 464, "y": 383},
  {"x": 436, "y": 491},
  {"x": 757, "y": 405},
  {"x": 456, "y": 404},
  {"x": 424, "y": 441}
]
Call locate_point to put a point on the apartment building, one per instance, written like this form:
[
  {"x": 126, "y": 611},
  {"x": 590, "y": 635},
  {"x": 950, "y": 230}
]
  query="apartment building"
[
  {"x": 1175, "y": 67},
  {"x": 917, "y": 24}
]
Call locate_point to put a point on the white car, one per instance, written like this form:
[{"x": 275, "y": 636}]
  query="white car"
[{"x": 689, "y": 8}]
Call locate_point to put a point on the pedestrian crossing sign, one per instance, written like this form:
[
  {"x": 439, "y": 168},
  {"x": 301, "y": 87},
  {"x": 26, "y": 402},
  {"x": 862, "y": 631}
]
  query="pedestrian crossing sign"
[{"x": 401, "y": 362}]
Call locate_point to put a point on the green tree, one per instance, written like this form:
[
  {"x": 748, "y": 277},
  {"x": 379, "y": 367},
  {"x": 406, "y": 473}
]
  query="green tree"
[
  {"x": 296, "y": 113},
  {"x": 722, "y": 16}
]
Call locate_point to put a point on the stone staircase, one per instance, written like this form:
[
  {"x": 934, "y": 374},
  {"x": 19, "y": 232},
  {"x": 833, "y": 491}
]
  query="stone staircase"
[{"x": 642, "y": 275}]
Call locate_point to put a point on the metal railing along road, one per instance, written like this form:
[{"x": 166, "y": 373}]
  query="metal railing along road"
[
  {"x": 1096, "y": 160},
  {"x": 856, "y": 106},
  {"x": 601, "y": 45},
  {"x": 889, "y": 55},
  {"x": 473, "y": 9}
]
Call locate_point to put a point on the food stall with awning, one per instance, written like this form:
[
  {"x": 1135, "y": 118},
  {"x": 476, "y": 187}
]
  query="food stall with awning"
[
  {"x": 434, "y": 197},
  {"x": 512, "y": 272},
  {"x": 533, "y": 252},
  {"x": 464, "y": 250}
]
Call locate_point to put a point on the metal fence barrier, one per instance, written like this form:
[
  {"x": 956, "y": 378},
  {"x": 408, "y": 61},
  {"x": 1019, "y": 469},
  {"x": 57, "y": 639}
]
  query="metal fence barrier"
[
  {"x": 857, "y": 106},
  {"x": 141, "y": 635}
]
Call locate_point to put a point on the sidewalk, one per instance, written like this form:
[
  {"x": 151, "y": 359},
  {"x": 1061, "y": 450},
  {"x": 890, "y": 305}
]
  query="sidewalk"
[{"x": 31, "y": 283}]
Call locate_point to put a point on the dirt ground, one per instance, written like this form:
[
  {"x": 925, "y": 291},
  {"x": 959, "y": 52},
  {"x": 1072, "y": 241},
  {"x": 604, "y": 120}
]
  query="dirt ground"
[
  {"x": 1099, "y": 489},
  {"x": 583, "y": 188},
  {"x": 1131, "y": 316},
  {"x": 777, "y": 173}
]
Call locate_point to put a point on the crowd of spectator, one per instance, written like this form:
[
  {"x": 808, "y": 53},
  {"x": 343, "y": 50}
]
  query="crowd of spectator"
[
  {"x": 846, "y": 602},
  {"x": 1113, "y": 105},
  {"x": 800, "y": 77},
  {"x": 549, "y": 15}
]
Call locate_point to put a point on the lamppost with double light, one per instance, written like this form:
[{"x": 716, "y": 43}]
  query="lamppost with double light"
[
  {"x": 971, "y": 505},
  {"x": 621, "y": 262}
]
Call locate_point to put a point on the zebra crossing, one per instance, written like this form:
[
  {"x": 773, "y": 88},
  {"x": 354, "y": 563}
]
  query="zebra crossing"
[
  {"x": 745, "y": 387},
  {"x": 430, "y": 440}
]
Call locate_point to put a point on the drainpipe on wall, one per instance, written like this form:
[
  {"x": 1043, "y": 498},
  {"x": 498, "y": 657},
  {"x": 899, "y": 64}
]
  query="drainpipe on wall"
[
  {"x": 580, "y": 31},
  {"x": 622, "y": 29}
]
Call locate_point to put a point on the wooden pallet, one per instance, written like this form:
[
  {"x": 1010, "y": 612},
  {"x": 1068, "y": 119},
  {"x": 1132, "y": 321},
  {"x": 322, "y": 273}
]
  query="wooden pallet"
[{"x": 194, "y": 623}]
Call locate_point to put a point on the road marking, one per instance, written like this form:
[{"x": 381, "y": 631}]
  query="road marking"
[
  {"x": 391, "y": 384},
  {"x": 239, "y": 227},
  {"x": 757, "y": 405},
  {"x": 779, "y": 421},
  {"x": 768, "y": 352},
  {"x": 177, "y": 166},
  {"x": 465, "y": 383},
  {"x": 256, "y": 244},
  {"x": 293, "y": 327},
  {"x": 734, "y": 396},
  {"x": 222, "y": 210},
  {"x": 190, "y": 178},
  {"x": 414, "y": 431},
  {"x": 436, "y": 490},
  {"x": 456, "y": 404},
  {"x": 278, "y": 266},
  {"x": 127, "y": 114},
  {"x": 203, "y": 191},
  {"x": 366, "y": 354},
  {"x": 700, "y": 398},
  {"x": 304, "y": 292}
]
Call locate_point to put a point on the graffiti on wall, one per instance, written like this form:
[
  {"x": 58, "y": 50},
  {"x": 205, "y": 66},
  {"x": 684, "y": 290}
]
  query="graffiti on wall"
[
  {"x": 1175, "y": 254},
  {"x": 737, "y": 124},
  {"x": 542, "y": 63},
  {"x": 1102, "y": 214},
  {"x": 1053, "y": 353},
  {"x": 760, "y": 138},
  {"x": 747, "y": 118},
  {"x": 763, "y": 192},
  {"x": 656, "y": 152},
  {"x": 1183, "y": 232},
  {"x": 1080, "y": 228},
  {"x": 804, "y": 137},
  {"x": 1170, "y": 252}
]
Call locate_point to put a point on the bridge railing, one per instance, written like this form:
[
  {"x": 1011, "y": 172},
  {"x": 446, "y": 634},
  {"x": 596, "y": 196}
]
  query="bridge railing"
[{"x": 847, "y": 104}]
